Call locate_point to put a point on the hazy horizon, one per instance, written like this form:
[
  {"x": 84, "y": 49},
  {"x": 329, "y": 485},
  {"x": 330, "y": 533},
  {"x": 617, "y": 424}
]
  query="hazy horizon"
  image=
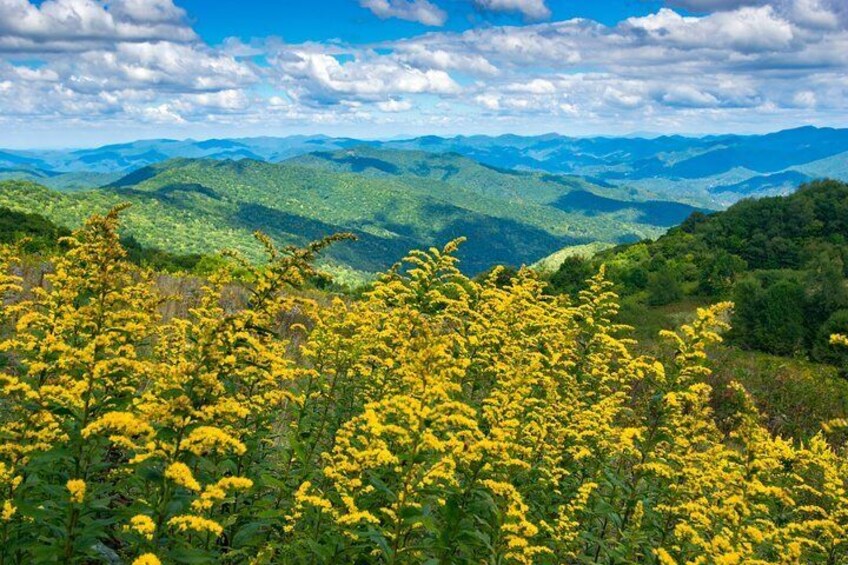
[{"x": 403, "y": 137}]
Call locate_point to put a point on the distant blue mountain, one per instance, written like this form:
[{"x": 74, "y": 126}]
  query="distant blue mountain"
[
  {"x": 784, "y": 181},
  {"x": 710, "y": 171}
]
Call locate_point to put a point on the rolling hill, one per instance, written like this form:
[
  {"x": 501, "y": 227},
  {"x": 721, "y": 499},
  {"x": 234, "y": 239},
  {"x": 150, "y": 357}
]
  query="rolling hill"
[
  {"x": 393, "y": 201},
  {"x": 782, "y": 260},
  {"x": 713, "y": 171}
]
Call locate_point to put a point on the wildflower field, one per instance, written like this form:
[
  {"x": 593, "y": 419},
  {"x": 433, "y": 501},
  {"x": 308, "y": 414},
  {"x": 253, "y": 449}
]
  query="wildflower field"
[{"x": 436, "y": 419}]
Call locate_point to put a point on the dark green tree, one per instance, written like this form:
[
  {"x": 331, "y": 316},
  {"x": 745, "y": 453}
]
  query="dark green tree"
[
  {"x": 571, "y": 276},
  {"x": 719, "y": 273},
  {"x": 664, "y": 286},
  {"x": 770, "y": 318},
  {"x": 823, "y": 350}
]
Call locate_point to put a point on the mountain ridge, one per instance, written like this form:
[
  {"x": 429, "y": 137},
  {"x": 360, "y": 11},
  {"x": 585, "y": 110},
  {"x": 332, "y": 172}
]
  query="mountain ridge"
[
  {"x": 202, "y": 205},
  {"x": 674, "y": 167}
]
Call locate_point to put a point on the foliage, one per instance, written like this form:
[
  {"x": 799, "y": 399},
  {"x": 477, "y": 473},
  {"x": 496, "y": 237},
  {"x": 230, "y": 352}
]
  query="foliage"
[
  {"x": 827, "y": 351},
  {"x": 794, "y": 396},
  {"x": 39, "y": 233},
  {"x": 571, "y": 276},
  {"x": 664, "y": 286},
  {"x": 36, "y": 235},
  {"x": 782, "y": 260},
  {"x": 435, "y": 419},
  {"x": 199, "y": 206},
  {"x": 772, "y": 318}
]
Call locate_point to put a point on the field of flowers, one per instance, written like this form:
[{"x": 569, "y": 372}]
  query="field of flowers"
[{"x": 436, "y": 419}]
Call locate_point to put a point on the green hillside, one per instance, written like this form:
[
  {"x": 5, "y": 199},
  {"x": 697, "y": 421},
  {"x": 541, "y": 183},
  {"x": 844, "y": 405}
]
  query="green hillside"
[
  {"x": 437, "y": 170},
  {"x": 36, "y": 235},
  {"x": 782, "y": 260},
  {"x": 393, "y": 203}
]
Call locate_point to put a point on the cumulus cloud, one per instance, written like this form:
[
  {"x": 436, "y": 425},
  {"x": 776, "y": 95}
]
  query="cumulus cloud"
[
  {"x": 322, "y": 78},
  {"x": 531, "y": 9},
  {"x": 91, "y": 60},
  {"x": 77, "y": 25},
  {"x": 744, "y": 30},
  {"x": 689, "y": 96},
  {"x": 713, "y": 5},
  {"x": 166, "y": 66},
  {"x": 138, "y": 61},
  {"x": 422, "y": 56},
  {"x": 822, "y": 14},
  {"x": 421, "y": 11},
  {"x": 394, "y": 105},
  {"x": 805, "y": 99}
]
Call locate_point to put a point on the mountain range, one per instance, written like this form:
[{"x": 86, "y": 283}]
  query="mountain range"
[
  {"x": 392, "y": 200},
  {"x": 517, "y": 199},
  {"x": 711, "y": 171}
]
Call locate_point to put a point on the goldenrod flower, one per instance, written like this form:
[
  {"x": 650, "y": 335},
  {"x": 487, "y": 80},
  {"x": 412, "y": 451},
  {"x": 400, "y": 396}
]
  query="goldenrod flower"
[
  {"x": 77, "y": 489},
  {"x": 209, "y": 439},
  {"x": 147, "y": 559},
  {"x": 182, "y": 476},
  {"x": 434, "y": 418},
  {"x": 199, "y": 524},
  {"x": 143, "y": 525},
  {"x": 8, "y": 511},
  {"x": 217, "y": 492}
]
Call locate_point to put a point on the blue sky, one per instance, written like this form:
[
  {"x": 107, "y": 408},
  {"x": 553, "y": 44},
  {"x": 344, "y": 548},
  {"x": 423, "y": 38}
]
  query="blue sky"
[
  {"x": 85, "y": 72},
  {"x": 299, "y": 21}
]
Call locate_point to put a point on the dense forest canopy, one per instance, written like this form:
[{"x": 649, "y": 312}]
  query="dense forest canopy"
[
  {"x": 782, "y": 260},
  {"x": 393, "y": 201}
]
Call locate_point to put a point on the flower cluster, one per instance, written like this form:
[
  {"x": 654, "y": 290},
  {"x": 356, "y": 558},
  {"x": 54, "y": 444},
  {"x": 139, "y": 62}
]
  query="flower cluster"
[{"x": 435, "y": 418}]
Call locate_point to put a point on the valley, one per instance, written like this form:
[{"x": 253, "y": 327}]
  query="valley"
[{"x": 517, "y": 199}]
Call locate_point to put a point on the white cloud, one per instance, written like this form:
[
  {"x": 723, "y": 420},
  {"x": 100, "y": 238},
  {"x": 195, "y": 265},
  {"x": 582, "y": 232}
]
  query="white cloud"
[
  {"x": 489, "y": 101},
  {"x": 689, "y": 96},
  {"x": 146, "y": 11},
  {"x": 168, "y": 66},
  {"x": 744, "y": 30},
  {"x": 227, "y": 100},
  {"x": 713, "y": 5},
  {"x": 822, "y": 14},
  {"x": 805, "y": 99},
  {"x": 322, "y": 78},
  {"x": 138, "y": 62},
  {"x": 421, "y": 11},
  {"x": 95, "y": 61},
  {"x": 394, "y": 105},
  {"x": 421, "y": 56},
  {"x": 76, "y": 25},
  {"x": 622, "y": 98},
  {"x": 535, "y": 86},
  {"x": 531, "y": 9},
  {"x": 163, "y": 114}
]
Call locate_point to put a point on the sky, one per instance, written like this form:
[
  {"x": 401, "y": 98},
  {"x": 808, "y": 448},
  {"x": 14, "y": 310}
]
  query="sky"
[{"x": 79, "y": 73}]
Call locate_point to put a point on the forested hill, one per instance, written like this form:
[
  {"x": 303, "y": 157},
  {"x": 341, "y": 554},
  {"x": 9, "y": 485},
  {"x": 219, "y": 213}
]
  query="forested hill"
[
  {"x": 712, "y": 171},
  {"x": 783, "y": 260},
  {"x": 777, "y": 232},
  {"x": 36, "y": 235},
  {"x": 509, "y": 217}
]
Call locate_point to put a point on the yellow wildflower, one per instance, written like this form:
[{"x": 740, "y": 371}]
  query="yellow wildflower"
[
  {"x": 199, "y": 524},
  {"x": 208, "y": 439},
  {"x": 182, "y": 476},
  {"x": 76, "y": 487},
  {"x": 8, "y": 511},
  {"x": 147, "y": 559},
  {"x": 217, "y": 492},
  {"x": 144, "y": 525}
]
